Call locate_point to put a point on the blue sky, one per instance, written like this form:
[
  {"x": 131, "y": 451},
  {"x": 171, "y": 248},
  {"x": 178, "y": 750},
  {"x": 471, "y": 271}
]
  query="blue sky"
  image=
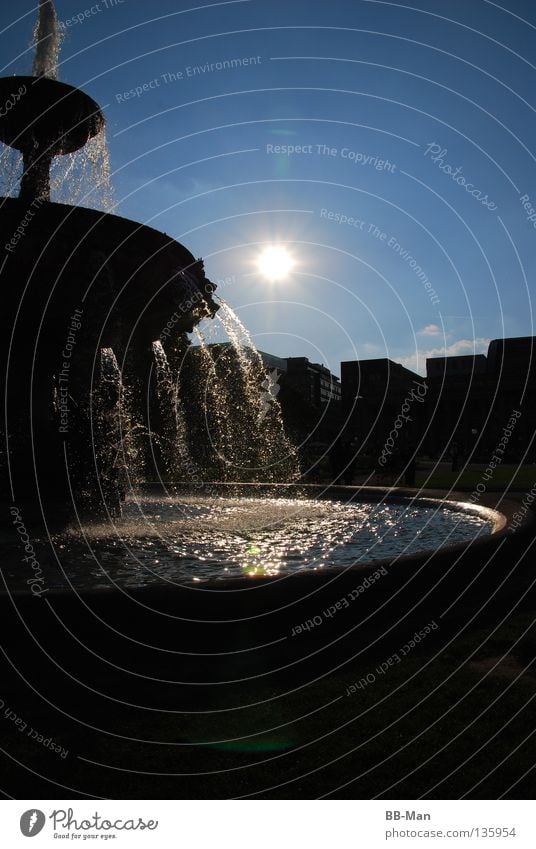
[{"x": 382, "y": 103}]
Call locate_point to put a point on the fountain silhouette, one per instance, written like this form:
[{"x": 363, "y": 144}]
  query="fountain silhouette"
[{"x": 85, "y": 296}]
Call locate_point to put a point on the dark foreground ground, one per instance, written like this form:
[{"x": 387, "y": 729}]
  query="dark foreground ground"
[{"x": 373, "y": 715}]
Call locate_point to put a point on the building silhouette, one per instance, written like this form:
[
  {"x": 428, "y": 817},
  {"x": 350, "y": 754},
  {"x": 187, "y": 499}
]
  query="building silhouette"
[
  {"x": 312, "y": 381},
  {"x": 458, "y": 411},
  {"x": 374, "y": 393},
  {"x": 468, "y": 402}
]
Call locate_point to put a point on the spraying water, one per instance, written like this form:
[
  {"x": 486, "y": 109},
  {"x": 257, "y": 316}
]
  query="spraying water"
[
  {"x": 84, "y": 178},
  {"x": 233, "y": 420},
  {"x": 10, "y": 171},
  {"x": 172, "y": 439},
  {"x": 216, "y": 424},
  {"x": 47, "y": 38},
  {"x": 114, "y": 439},
  {"x": 276, "y": 453}
]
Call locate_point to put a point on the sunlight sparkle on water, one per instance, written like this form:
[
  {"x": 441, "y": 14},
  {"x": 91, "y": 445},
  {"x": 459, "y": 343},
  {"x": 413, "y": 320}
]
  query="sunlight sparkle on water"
[{"x": 199, "y": 539}]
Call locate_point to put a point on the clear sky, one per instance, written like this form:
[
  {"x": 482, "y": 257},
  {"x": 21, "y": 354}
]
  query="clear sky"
[{"x": 389, "y": 146}]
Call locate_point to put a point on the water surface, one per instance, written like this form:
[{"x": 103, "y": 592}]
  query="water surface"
[{"x": 198, "y": 539}]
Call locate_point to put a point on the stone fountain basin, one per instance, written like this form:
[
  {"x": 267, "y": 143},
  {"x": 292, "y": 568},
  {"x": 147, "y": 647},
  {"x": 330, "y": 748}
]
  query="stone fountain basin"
[
  {"x": 243, "y": 627},
  {"x": 262, "y": 597},
  {"x": 123, "y": 276}
]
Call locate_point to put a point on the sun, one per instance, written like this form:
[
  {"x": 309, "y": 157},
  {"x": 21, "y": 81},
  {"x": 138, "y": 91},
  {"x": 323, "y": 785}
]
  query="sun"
[{"x": 275, "y": 263}]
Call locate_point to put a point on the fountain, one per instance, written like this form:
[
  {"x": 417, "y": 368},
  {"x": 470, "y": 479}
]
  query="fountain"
[
  {"x": 103, "y": 391},
  {"x": 82, "y": 292}
]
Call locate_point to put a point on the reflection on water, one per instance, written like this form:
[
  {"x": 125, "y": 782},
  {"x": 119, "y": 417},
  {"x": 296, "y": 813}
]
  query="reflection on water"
[{"x": 199, "y": 538}]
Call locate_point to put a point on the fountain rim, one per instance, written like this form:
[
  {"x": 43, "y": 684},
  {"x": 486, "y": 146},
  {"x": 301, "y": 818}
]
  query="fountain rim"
[{"x": 53, "y": 214}]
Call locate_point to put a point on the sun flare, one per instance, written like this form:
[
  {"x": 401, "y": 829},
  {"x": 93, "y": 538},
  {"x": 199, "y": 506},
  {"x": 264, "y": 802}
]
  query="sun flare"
[{"x": 275, "y": 263}]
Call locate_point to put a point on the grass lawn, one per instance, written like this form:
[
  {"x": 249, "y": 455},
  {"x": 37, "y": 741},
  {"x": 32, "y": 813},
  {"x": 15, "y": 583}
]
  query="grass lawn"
[
  {"x": 432, "y": 475},
  {"x": 455, "y": 717},
  {"x": 520, "y": 478}
]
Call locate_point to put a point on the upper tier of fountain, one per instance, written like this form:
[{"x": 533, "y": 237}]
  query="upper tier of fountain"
[
  {"x": 50, "y": 116},
  {"x": 46, "y": 118}
]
